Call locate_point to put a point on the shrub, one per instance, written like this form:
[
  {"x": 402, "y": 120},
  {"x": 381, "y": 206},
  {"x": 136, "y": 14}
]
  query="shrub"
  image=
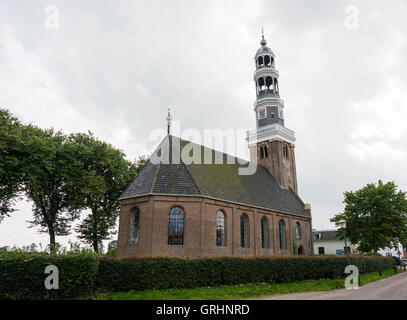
[
  {"x": 123, "y": 274},
  {"x": 22, "y": 275}
]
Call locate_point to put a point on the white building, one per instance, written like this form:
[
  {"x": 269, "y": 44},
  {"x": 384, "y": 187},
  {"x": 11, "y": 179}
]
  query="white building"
[{"x": 328, "y": 242}]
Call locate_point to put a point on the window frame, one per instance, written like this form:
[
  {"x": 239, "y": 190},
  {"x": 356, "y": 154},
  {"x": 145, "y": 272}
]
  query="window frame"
[
  {"x": 222, "y": 238},
  {"x": 265, "y": 238},
  {"x": 134, "y": 231},
  {"x": 244, "y": 231},
  {"x": 298, "y": 234},
  {"x": 173, "y": 234},
  {"x": 282, "y": 235}
]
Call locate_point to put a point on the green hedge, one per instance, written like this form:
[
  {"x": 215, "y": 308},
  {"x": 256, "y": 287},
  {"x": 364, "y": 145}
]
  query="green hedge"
[
  {"x": 22, "y": 275},
  {"x": 81, "y": 274},
  {"x": 163, "y": 273}
]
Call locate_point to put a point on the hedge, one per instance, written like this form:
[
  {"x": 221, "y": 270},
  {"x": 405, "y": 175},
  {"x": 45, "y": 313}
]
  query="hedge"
[
  {"x": 82, "y": 274},
  {"x": 164, "y": 273},
  {"x": 22, "y": 275}
]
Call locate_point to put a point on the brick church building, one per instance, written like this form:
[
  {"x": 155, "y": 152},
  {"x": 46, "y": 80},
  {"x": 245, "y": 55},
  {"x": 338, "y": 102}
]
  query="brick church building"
[{"x": 207, "y": 207}]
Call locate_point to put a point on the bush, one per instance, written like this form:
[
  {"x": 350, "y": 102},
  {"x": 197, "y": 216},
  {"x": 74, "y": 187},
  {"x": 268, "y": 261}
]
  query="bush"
[
  {"x": 164, "y": 272},
  {"x": 22, "y": 275}
]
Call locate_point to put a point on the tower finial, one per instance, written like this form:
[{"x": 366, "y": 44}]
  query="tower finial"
[
  {"x": 263, "y": 41},
  {"x": 169, "y": 118}
]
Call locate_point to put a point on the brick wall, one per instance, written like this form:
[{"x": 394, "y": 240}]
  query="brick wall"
[{"x": 200, "y": 228}]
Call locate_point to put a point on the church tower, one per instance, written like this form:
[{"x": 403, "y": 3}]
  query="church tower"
[{"x": 271, "y": 143}]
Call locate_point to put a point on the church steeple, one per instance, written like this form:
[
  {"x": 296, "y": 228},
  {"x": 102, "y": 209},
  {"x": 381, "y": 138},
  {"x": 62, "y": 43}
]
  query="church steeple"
[
  {"x": 269, "y": 107},
  {"x": 272, "y": 144}
]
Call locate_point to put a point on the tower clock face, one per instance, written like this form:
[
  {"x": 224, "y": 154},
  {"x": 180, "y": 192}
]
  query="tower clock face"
[{"x": 262, "y": 113}]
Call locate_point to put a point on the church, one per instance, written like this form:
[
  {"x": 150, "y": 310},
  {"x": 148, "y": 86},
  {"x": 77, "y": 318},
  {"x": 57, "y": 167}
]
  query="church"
[{"x": 198, "y": 208}]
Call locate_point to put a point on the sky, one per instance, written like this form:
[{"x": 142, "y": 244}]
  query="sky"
[{"x": 115, "y": 67}]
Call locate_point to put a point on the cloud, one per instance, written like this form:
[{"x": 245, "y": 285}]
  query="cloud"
[{"x": 115, "y": 67}]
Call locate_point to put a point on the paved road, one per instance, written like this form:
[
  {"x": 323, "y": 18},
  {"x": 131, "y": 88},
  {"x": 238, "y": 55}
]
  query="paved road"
[{"x": 392, "y": 288}]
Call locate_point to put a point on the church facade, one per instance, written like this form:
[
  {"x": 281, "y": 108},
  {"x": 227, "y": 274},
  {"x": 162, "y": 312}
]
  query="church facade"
[{"x": 208, "y": 208}]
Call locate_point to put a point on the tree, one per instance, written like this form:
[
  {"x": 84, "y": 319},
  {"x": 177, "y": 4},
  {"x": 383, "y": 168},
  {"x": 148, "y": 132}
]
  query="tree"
[
  {"x": 106, "y": 173},
  {"x": 51, "y": 172},
  {"x": 376, "y": 216},
  {"x": 12, "y": 162}
]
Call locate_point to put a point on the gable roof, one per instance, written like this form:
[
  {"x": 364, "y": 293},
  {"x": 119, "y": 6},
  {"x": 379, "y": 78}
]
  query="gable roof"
[
  {"x": 162, "y": 175},
  {"x": 327, "y": 235}
]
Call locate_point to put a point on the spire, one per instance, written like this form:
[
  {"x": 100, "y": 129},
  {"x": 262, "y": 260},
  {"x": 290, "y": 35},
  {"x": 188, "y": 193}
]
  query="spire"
[
  {"x": 263, "y": 41},
  {"x": 169, "y": 119}
]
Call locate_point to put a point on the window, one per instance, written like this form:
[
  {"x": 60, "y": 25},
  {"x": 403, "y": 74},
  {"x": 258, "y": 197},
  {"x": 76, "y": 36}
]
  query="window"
[
  {"x": 317, "y": 236},
  {"x": 220, "y": 229},
  {"x": 263, "y": 152},
  {"x": 285, "y": 151},
  {"x": 244, "y": 231},
  {"x": 281, "y": 227},
  {"x": 267, "y": 61},
  {"x": 321, "y": 250},
  {"x": 134, "y": 226},
  {"x": 264, "y": 233},
  {"x": 176, "y": 227},
  {"x": 298, "y": 231}
]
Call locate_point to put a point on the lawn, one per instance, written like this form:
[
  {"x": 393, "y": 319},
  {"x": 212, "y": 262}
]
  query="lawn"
[{"x": 240, "y": 292}]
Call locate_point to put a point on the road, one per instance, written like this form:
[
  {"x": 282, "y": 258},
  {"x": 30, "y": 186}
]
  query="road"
[{"x": 392, "y": 288}]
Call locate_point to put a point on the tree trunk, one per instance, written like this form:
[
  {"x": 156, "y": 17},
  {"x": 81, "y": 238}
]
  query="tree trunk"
[
  {"x": 95, "y": 246},
  {"x": 95, "y": 234},
  {"x": 52, "y": 242}
]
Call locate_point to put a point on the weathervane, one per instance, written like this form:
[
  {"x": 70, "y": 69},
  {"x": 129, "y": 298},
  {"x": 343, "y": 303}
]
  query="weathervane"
[{"x": 169, "y": 121}]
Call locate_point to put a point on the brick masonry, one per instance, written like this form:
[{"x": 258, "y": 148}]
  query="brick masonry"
[
  {"x": 200, "y": 228},
  {"x": 281, "y": 167}
]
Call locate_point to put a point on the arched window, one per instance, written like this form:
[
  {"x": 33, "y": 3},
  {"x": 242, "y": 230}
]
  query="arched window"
[
  {"x": 263, "y": 152},
  {"x": 220, "y": 229},
  {"x": 176, "y": 227},
  {"x": 134, "y": 226},
  {"x": 244, "y": 231},
  {"x": 281, "y": 228},
  {"x": 262, "y": 84},
  {"x": 260, "y": 62},
  {"x": 267, "y": 61},
  {"x": 269, "y": 83},
  {"x": 298, "y": 231},
  {"x": 264, "y": 233}
]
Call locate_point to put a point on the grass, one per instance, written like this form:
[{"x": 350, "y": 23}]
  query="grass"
[{"x": 242, "y": 291}]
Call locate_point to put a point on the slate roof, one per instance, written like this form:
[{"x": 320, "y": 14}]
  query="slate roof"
[
  {"x": 218, "y": 181},
  {"x": 327, "y": 235}
]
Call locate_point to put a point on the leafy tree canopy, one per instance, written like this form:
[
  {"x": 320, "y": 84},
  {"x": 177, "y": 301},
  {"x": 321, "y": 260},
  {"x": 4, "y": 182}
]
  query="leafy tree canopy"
[
  {"x": 105, "y": 174},
  {"x": 376, "y": 216},
  {"x": 12, "y": 163}
]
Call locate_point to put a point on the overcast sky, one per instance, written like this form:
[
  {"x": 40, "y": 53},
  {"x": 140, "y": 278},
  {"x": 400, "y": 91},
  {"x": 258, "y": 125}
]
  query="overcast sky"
[{"x": 114, "y": 67}]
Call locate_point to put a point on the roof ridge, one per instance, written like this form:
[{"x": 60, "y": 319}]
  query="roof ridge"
[
  {"x": 192, "y": 178},
  {"x": 155, "y": 177}
]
